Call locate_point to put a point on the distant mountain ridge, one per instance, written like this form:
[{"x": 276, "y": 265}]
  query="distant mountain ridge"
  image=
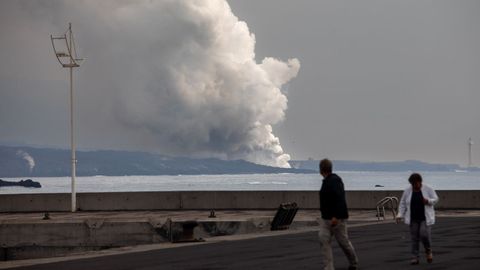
[
  {"x": 16, "y": 161},
  {"x": 24, "y": 161},
  {"x": 391, "y": 166}
]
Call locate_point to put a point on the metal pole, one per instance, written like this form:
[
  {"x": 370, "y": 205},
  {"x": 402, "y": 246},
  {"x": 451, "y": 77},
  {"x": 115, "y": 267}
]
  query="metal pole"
[{"x": 72, "y": 138}]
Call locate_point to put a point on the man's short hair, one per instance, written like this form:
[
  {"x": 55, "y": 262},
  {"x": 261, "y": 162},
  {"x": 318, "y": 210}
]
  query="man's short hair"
[
  {"x": 415, "y": 177},
  {"x": 325, "y": 166}
]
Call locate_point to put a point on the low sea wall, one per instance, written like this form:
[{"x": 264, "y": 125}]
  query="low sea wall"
[{"x": 220, "y": 200}]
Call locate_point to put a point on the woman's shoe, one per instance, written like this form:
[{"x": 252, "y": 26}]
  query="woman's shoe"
[
  {"x": 429, "y": 256},
  {"x": 414, "y": 261}
]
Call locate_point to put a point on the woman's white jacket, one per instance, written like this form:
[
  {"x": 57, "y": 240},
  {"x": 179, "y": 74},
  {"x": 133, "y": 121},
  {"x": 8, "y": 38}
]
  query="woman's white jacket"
[{"x": 404, "y": 205}]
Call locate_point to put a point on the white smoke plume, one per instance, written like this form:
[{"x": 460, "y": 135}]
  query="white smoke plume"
[
  {"x": 26, "y": 156},
  {"x": 181, "y": 74}
]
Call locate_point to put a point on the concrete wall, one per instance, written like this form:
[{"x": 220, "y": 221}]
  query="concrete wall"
[
  {"x": 191, "y": 200},
  {"x": 37, "y": 239}
]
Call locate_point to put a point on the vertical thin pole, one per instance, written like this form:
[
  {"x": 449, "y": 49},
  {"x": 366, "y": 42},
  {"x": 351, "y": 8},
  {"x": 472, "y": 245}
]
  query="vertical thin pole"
[
  {"x": 470, "y": 152},
  {"x": 72, "y": 63},
  {"x": 72, "y": 138}
]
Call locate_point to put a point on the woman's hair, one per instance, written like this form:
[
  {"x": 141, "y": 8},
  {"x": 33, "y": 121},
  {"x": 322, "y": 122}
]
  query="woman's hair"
[{"x": 415, "y": 177}]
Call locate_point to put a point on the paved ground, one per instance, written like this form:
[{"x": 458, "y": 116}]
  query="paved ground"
[
  {"x": 456, "y": 243},
  {"x": 232, "y": 215},
  {"x": 356, "y": 215},
  {"x": 302, "y": 215}
]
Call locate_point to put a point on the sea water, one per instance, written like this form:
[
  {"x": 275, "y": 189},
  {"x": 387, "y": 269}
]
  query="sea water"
[{"x": 352, "y": 181}]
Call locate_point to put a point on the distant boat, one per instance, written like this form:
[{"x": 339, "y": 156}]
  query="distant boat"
[
  {"x": 379, "y": 186},
  {"x": 461, "y": 171}
]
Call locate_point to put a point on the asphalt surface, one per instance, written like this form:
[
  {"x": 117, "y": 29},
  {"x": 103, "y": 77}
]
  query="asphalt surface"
[{"x": 456, "y": 245}]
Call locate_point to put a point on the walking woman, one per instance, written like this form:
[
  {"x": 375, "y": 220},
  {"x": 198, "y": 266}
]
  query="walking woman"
[{"x": 416, "y": 209}]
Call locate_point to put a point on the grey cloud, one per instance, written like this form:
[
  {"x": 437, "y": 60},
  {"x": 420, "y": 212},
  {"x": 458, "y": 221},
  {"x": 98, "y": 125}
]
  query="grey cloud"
[{"x": 177, "y": 77}]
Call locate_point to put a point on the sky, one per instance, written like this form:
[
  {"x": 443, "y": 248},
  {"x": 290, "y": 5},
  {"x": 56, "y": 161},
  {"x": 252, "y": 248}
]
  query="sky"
[
  {"x": 266, "y": 81},
  {"x": 380, "y": 80}
]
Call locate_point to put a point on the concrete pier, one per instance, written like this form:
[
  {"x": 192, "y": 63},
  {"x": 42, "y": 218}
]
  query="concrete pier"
[
  {"x": 379, "y": 247},
  {"x": 238, "y": 225},
  {"x": 29, "y": 235},
  {"x": 109, "y": 220}
]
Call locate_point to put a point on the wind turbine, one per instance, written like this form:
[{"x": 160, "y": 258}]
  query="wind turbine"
[{"x": 470, "y": 143}]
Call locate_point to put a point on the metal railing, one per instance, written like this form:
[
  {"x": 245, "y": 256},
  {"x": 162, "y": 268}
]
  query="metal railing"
[{"x": 391, "y": 202}]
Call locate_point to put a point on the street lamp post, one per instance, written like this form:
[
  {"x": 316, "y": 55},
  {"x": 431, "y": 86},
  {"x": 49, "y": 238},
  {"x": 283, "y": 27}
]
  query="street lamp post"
[{"x": 64, "y": 48}]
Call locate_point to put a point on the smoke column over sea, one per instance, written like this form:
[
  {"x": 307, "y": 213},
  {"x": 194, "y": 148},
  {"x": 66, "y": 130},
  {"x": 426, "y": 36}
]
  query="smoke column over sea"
[
  {"x": 175, "y": 77},
  {"x": 28, "y": 158}
]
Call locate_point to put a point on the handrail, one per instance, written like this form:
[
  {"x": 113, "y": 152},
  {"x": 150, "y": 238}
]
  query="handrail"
[{"x": 393, "y": 201}]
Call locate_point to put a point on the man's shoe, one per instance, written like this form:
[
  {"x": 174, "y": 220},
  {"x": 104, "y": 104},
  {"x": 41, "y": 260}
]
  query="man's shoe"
[
  {"x": 414, "y": 261},
  {"x": 352, "y": 268},
  {"x": 429, "y": 256}
]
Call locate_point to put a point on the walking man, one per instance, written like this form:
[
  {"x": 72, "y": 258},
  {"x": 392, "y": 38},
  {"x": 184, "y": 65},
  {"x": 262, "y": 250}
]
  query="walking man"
[{"x": 333, "y": 207}]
